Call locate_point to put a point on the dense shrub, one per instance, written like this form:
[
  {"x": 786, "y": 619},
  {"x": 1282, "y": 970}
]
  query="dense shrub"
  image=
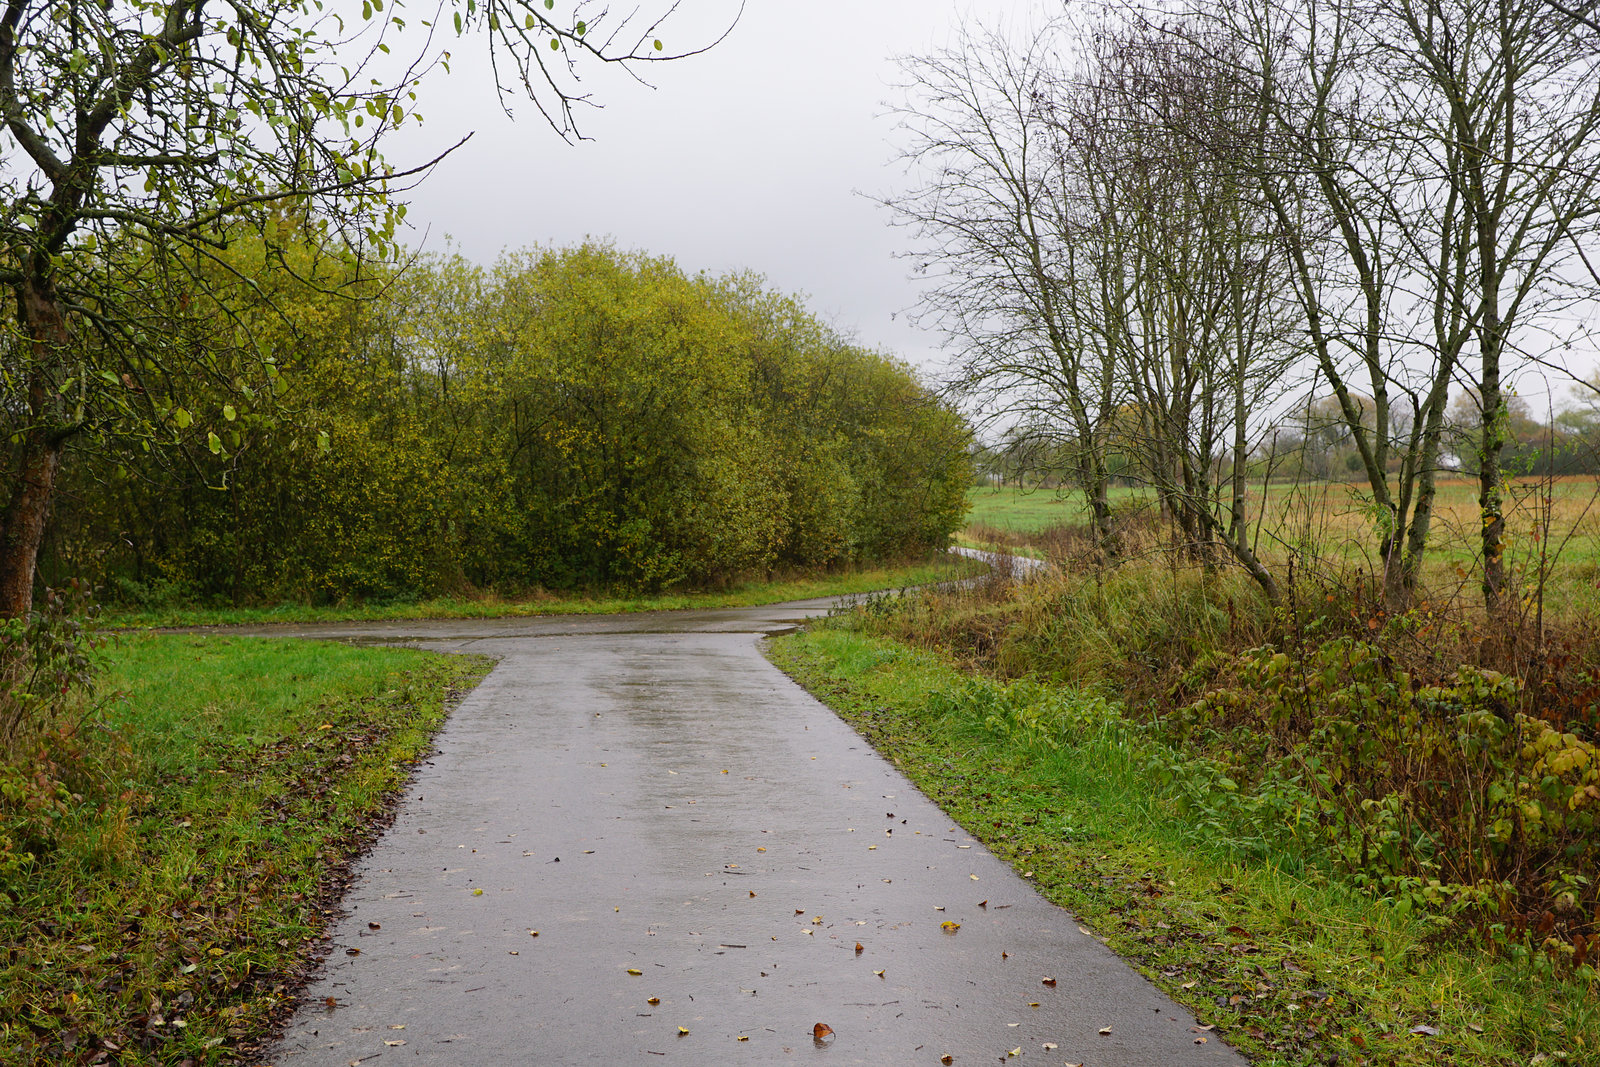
[{"x": 571, "y": 418}]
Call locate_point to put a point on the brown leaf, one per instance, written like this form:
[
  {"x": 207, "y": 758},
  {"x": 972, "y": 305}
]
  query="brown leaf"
[
  {"x": 859, "y": 948},
  {"x": 821, "y": 1031},
  {"x": 1048, "y": 981}
]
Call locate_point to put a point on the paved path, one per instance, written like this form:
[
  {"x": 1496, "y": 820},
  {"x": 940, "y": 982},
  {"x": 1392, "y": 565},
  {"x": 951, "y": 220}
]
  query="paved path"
[{"x": 650, "y": 795}]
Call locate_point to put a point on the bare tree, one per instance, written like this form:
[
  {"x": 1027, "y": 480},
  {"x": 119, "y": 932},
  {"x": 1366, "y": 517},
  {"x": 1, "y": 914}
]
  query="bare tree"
[
  {"x": 1434, "y": 167},
  {"x": 997, "y": 247},
  {"x": 1190, "y": 294},
  {"x": 1104, "y": 264}
]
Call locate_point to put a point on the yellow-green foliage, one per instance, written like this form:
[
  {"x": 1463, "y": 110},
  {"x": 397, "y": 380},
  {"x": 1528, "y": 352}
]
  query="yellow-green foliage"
[{"x": 570, "y": 417}]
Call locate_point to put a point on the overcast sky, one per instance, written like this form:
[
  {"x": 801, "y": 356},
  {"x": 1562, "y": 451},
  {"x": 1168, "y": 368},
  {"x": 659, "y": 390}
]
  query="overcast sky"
[{"x": 761, "y": 154}]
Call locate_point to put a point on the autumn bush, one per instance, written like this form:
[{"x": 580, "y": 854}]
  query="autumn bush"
[
  {"x": 573, "y": 418},
  {"x": 1427, "y": 757}
]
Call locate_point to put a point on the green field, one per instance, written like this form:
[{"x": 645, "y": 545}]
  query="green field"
[{"x": 1553, "y": 528}]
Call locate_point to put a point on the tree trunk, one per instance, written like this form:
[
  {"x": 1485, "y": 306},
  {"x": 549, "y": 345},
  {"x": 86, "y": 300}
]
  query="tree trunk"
[
  {"x": 25, "y": 517},
  {"x": 40, "y": 315}
]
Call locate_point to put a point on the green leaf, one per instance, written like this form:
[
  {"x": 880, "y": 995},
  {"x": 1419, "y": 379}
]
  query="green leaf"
[
  {"x": 555, "y": 45},
  {"x": 182, "y": 418},
  {"x": 549, "y": 5},
  {"x": 322, "y": 441},
  {"x": 458, "y": 22},
  {"x": 214, "y": 443},
  {"x": 581, "y": 28},
  {"x": 658, "y": 46},
  {"x": 229, "y": 413}
]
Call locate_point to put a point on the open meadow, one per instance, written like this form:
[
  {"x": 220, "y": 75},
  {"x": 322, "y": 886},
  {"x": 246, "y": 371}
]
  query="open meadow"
[{"x": 1553, "y": 531}]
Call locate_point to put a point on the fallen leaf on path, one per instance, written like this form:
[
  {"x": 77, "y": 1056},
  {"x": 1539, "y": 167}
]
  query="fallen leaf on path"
[
  {"x": 821, "y": 1030},
  {"x": 682, "y": 1030},
  {"x": 947, "y": 1059},
  {"x": 1048, "y": 981},
  {"x": 878, "y": 973},
  {"x": 652, "y": 1000},
  {"x": 859, "y": 948},
  {"x": 1015, "y": 1052},
  {"x": 1105, "y": 1030},
  {"x": 949, "y": 927},
  {"x": 635, "y": 971}
]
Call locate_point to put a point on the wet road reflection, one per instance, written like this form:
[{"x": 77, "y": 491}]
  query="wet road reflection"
[{"x": 639, "y": 841}]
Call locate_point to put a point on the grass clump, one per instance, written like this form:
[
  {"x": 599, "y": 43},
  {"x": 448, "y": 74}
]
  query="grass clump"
[{"x": 174, "y": 847}]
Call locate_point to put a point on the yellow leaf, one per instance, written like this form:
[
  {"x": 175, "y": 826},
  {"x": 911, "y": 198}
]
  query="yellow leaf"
[
  {"x": 653, "y": 1000},
  {"x": 682, "y": 1030},
  {"x": 949, "y": 927},
  {"x": 635, "y": 971}
]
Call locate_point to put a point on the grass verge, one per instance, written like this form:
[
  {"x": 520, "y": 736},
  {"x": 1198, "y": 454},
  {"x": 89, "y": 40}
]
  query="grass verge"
[
  {"x": 170, "y": 885},
  {"x": 1290, "y": 966},
  {"x": 745, "y": 594}
]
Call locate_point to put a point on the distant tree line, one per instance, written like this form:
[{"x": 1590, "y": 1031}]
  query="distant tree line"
[{"x": 567, "y": 418}]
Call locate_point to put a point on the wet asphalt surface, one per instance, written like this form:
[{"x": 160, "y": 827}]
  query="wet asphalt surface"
[{"x": 700, "y": 847}]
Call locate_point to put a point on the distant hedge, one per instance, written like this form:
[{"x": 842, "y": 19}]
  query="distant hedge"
[{"x": 575, "y": 417}]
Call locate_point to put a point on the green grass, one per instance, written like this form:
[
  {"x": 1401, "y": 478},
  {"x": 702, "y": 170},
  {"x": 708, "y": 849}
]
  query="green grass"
[
  {"x": 1291, "y": 966},
  {"x": 745, "y": 594},
  {"x": 206, "y": 816},
  {"x": 1025, "y": 511}
]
